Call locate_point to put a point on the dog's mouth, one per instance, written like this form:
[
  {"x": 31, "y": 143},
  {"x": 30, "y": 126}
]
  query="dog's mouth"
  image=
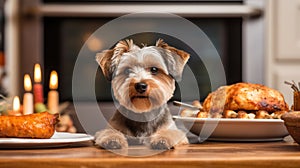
[
  {"x": 141, "y": 103},
  {"x": 140, "y": 97}
]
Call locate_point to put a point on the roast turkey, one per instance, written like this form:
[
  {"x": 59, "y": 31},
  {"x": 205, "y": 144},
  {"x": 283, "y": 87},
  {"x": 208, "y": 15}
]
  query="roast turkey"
[{"x": 245, "y": 97}]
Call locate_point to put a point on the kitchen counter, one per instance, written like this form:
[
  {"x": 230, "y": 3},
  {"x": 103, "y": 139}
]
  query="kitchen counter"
[{"x": 208, "y": 154}]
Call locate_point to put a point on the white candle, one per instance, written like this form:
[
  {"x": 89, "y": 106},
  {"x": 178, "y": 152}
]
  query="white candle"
[
  {"x": 16, "y": 104},
  {"x": 53, "y": 97},
  {"x": 16, "y": 107},
  {"x": 28, "y": 96}
]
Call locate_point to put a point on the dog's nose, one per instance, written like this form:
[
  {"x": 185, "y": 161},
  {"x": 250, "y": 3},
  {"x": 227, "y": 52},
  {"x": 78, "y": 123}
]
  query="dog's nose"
[{"x": 141, "y": 87}]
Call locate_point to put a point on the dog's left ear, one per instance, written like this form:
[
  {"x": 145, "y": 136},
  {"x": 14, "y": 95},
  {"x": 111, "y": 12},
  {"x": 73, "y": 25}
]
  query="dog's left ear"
[{"x": 175, "y": 59}]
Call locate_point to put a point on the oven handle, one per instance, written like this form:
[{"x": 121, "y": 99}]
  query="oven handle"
[{"x": 115, "y": 10}]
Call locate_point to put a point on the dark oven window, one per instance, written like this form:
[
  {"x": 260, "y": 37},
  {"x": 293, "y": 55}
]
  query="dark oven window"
[
  {"x": 64, "y": 37},
  {"x": 85, "y": 1}
]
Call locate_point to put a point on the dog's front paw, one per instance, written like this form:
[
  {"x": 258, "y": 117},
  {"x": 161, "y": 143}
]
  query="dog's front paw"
[
  {"x": 161, "y": 144},
  {"x": 110, "y": 139},
  {"x": 111, "y": 144},
  {"x": 168, "y": 139}
]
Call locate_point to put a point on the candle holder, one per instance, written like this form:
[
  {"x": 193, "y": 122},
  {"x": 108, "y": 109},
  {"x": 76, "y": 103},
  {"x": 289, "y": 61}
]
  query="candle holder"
[{"x": 297, "y": 101}]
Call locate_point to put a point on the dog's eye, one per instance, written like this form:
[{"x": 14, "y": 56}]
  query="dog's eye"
[
  {"x": 127, "y": 71},
  {"x": 154, "y": 70}
]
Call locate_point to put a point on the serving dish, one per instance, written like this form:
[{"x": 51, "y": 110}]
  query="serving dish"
[{"x": 220, "y": 129}]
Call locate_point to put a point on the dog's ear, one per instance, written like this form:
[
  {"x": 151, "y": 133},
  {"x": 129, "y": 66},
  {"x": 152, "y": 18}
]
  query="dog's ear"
[
  {"x": 104, "y": 60},
  {"x": 175, "y": 59},
  {"x": 109, "y": 59}
]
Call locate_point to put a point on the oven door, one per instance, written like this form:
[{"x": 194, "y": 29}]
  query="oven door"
[{"x": 34, "y": 20}]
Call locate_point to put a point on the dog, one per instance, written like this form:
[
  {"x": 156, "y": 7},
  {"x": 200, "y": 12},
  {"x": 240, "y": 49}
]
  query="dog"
[{"x": 143, "y": 80}]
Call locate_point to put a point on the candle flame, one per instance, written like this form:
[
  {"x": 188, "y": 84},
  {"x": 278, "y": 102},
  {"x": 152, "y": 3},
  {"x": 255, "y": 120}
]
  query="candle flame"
[
  {"x": 27, "y": 83},
  {"x": 37, "y": 73},
  {"x": 16, "y": 103},
  {"x": 53, "y": 84}
]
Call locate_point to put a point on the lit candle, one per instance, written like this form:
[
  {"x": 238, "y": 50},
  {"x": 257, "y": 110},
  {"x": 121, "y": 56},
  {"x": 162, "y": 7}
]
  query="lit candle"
[
  {"x": 16, "y": 106},
  {"x": 53, "y": 97},
  {"x": 27, "y": 97},
  {"x": 38, "y": 87}
]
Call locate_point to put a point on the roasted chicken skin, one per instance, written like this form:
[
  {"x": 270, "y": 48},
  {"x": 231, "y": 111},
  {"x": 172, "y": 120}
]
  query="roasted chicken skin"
[
  {"x": 245, "y": 96},
  {"x": 38, "y": 125}
]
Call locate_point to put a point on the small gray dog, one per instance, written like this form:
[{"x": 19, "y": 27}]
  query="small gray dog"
[{"x": 143, "y": 80}]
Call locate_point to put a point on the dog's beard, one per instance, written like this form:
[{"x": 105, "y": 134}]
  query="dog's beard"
[
  {"x": 159, "y": 92},
  {"x": 145, "y": 102}
]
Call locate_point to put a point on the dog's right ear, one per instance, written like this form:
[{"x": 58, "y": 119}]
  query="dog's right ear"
[
  {"x": 109, "y": 59},
  {"x": 104, "y": 60}
]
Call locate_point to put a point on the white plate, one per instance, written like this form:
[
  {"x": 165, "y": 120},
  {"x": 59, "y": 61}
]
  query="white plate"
[
  {"x": 235, "y": 129},
  {"x": 59, "y": 139}
]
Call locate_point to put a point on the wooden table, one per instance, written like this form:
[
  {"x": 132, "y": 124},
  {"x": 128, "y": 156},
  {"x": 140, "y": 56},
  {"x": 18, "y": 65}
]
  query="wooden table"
[{"x": 208, "y": 154}]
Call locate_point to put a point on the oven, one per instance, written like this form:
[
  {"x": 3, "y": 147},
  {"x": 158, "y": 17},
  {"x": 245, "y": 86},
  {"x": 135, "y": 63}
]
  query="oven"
[{"x": 53, "y": 33}]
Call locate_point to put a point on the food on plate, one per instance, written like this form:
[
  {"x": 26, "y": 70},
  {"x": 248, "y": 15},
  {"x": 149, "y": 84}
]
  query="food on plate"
[
  {"x": 202, "y": 114},
  {"x": 65, "y": 124},
  {"x": 189, "y": 113},
  {"x": 37, "y": 125},
  {"x": 243, "y": 100},
  {"x": 247, "y": 96},
  {"x": 40, "y": 107}
]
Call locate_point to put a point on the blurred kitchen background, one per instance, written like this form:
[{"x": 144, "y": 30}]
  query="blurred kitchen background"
[{"x": 257, "y": 40}]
